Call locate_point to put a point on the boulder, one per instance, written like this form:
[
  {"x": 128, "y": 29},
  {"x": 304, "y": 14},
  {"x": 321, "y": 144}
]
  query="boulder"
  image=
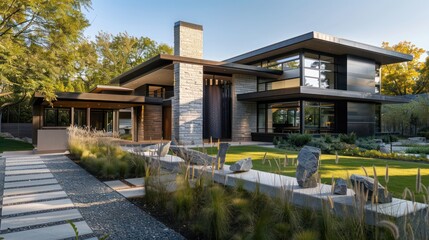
[
  {"x": 6, "y": 135},
  {"x": 193, "y": 156},
  {"x": 385, "y": 148},
  {"x": 221, "y": 154},
  {"x": 243, "y": 165},
  {"x": 417, "y": 139},
  {"x": 340, "y": 187},
  {"x": 308, "y": 163},
  {"x": 367, "y": 184},
  {"x": 163, "y": 149}
]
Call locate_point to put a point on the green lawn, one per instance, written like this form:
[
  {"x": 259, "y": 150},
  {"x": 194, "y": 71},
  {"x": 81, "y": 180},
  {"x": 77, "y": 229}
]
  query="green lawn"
[
  {"x": 13, "y": 145},
  {"x": 401, "y": 174}
]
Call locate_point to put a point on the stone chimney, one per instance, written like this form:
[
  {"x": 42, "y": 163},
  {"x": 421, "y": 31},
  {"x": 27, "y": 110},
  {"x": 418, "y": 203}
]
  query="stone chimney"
[
  {"x": 188, "y": 40},
  {"x": 187, "y": 103}
]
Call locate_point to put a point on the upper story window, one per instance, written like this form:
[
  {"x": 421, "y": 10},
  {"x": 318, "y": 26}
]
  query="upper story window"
[
  {"x": 287, "y": 63},
  {"x": 319, "y": 71},
  {"x": 377, "y": 79}
]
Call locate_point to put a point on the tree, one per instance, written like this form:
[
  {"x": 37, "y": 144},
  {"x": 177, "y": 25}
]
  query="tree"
[
  {"x": 36, "y": 37},
  {"x": 406, "y": 77}
]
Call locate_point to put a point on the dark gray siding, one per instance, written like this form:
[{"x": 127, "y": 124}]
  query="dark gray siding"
[
  {"x": 360, "y": 74},
  {"x": 361, "y": 118}
]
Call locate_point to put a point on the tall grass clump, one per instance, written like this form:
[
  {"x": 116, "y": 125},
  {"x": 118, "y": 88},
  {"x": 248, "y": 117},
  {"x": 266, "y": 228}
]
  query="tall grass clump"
[{"x": 103, "y": 158}]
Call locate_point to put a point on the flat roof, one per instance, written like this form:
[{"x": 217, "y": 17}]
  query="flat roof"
[
  {"x": 100, "y": 88},
  {"x": 298, "y": 93},
  {"x": 214, "y": 67},
  {"x": 322, "y": 43},
  {"x": 74, "y": 99}
]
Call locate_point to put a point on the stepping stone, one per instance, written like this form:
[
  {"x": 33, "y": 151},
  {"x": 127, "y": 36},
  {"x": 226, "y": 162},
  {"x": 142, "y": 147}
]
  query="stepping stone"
[
  {"x": 39, "y": 218},
  {"x": 27, "y": 171},
  {"x": 30, "y": 183},
  {"x": 34, "y": 197},
  {"x": 30, "y": 190},
  {"x": 37, "y": 206},
  {"x": 132, "y": 192},
  {"x": 138, "y": 182},
  {"x": 50, "y": 233},
  {"x": 23, "y": 167},
  {"x": 28, "y": 177},
  {"x": 116, "y": 184},
  {"x": 22, "y": 158},
  {"x": 11, "y": 164}
]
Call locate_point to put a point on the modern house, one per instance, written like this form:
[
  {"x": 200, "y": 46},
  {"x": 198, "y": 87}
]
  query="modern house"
[{"x": 314, "y": 83}]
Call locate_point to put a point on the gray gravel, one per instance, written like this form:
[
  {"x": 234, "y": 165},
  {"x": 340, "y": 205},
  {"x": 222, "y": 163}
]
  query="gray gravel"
[{"x": 105, "y": 211}]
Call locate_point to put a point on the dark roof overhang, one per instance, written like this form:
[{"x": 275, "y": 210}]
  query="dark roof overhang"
[
  {"x": 318, "y": 94},
  {"x": 213, "y": 67},
  {"x": 70, "y": 99},
  {"x": 323, "y": 43}
]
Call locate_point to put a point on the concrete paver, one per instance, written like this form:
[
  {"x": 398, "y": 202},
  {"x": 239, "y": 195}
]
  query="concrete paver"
[
  {"x": 50, "y": 233},
  {"x": 34, "y": 197},
  {"x": 36, "y": 206},
  {"x": 39, "y": 218},
  {"x": 30, "y": 183}
]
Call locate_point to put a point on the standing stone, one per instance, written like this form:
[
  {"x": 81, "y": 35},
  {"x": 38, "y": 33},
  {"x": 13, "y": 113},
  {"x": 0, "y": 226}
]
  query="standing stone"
[
  {"x": 308, "y": 162},
  {"x": 367, "y": 184},
  {"x": 242, "y": 165},
  {"x": 340, "y": 187},
  {"x": 163, "y": 149},
  {"x": 221, "y": 154}
]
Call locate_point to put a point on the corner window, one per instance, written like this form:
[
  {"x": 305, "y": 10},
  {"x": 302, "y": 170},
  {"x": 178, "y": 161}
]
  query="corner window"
[{"x": 319, "y": 71}]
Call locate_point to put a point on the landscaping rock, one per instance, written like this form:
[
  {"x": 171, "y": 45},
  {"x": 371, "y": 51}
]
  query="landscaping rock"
[
  {"x": 417, "y": 139},
  {"x": 243, "y": 165},
  {"x": 340, "y": 187},
  {"x": 385, "y": 148},
  {"x": 163, "y": 149},
  {"x": 308, "y": 162},
  {"x": 6, "y": 135},
  {"x": 223, "y": 147},
  {"x": 193, "y": 156},
  {"x": 367, "y": 184}
]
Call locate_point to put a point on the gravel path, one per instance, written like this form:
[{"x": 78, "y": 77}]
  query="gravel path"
[{"x": 105, "y": 211}]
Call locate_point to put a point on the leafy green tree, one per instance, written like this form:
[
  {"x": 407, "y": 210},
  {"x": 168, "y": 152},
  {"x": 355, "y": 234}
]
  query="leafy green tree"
[
  {"x": 406, "y": 77},
  {"x": 36, "y": 38}
]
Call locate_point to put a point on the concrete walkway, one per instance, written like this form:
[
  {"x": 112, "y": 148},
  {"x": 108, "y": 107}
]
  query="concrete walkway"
[{"x": 40, "y": 193}]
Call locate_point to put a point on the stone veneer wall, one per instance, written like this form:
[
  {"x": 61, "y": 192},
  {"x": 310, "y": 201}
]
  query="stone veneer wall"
[
  {"x": 187, "y": 104},
  {"x": 244, "y": 114},
  {"x": 153, "y": 119}
]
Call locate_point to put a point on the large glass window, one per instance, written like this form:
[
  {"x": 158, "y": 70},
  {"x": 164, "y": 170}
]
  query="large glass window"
[
  {"x": 270, "y": 84},
  {"x": 279, "y": 117},
  {"x": 319, "y": 71},
  {"x": 56, "y": 117},
  {"x": 102, "y": 119},
  {"x": 80, "y": 117},
  {"x": 319, "y": 117}
]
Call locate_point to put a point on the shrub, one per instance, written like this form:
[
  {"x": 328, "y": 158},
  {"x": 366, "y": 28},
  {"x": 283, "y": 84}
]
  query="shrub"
[
  {"x": 367, "y": 143},
  {"x": 348, "y": 138},
  {"x": 322, "y": 144},
  {"x": 298, "y": 140},
  {"x": 328, "y": 138},
  {"x": 418, "y": 150}
]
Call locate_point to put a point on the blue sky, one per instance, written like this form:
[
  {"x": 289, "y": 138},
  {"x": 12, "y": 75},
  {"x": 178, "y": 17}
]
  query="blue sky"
[{"x": 232, "y": 27}]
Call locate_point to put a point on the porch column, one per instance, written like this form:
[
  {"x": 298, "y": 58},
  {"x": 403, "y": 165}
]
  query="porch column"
[
  {"x": 244, "y": 114},
  {"x": 72, "y": 116},
  {"x": 115, "y": 122},
  {"x": 88, "y": 118}
]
